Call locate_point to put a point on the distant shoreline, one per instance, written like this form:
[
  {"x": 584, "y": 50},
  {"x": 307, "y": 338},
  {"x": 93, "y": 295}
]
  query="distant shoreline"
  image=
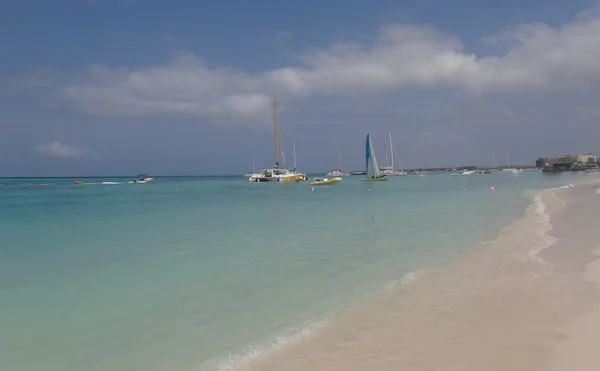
[{"x": 421, "y": 169}]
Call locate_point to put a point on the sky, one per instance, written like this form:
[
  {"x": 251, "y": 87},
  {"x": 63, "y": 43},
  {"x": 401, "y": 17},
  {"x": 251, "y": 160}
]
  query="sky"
[{"x": 119, "y": 87}]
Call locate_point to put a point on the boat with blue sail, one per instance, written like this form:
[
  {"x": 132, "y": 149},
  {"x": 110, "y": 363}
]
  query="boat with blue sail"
[{"x": 373, "y": 173}]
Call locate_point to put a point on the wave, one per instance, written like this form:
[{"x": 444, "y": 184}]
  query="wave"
[
  {"x": 404, "y": 279},
  {"x": 254, "y": 352},
  {"x": 291, "y": 336},
  {"x": 564, "y": 187}
]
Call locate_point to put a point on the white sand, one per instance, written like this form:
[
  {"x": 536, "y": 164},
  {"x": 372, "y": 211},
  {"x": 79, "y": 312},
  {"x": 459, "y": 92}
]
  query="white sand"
[{"x": 504, "y": 308}]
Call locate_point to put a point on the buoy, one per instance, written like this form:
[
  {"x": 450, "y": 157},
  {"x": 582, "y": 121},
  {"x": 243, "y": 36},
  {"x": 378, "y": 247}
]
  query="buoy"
[
  {"x": 312, "y": 189},
  {"x": 492, "y": 189}
]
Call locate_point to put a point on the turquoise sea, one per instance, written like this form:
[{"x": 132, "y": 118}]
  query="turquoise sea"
[{"x": 202, "y": 273}]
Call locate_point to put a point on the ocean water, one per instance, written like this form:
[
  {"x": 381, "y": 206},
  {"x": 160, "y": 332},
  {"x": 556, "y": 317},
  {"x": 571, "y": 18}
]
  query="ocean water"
[{"x": 206, "y": 273}]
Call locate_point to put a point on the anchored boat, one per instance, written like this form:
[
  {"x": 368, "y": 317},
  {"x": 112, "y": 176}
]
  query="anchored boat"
[
  {"x": 373, "y": 173},
  {"x": 326, "y": 181},
  {"x": 276, "y": 174}
]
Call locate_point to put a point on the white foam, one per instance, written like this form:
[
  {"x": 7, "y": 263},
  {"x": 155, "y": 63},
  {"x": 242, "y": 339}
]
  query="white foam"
[
  {"x": 110, "y": 183},
  {"x": 294, "y": 335},
  {"x": 540, "y": 239},
  {"x": 252, "y": 352},
  {"x": 404, "y": 279},
  {"x": 565, "y": 187}
]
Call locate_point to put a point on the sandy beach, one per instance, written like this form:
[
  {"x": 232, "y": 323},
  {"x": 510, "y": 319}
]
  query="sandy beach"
[{"x": 528, "y": 300}]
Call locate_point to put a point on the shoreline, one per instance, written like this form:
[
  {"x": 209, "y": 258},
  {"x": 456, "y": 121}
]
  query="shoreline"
[{"x": 447, "y": 318}]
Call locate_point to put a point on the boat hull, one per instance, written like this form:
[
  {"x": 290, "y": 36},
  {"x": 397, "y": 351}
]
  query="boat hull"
[
  {"x": 374, "y": 180},
  {"x": 336, "y": 180},
  {"x": 143, "y": 181},
  {"x": 293, "y": 178}
]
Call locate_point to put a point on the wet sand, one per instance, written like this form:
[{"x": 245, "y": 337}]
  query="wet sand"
[{"x": 529, "y": 300}]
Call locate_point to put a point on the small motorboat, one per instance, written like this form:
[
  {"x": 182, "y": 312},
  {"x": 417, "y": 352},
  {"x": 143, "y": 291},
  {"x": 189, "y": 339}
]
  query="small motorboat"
[
  {"x": 326, "y": 181},
  {"x": 143, "y": 178}
]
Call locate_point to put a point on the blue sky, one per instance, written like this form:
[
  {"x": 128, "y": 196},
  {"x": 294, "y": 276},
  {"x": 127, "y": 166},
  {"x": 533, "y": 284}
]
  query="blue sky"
[{"x": 184, "y": 87}]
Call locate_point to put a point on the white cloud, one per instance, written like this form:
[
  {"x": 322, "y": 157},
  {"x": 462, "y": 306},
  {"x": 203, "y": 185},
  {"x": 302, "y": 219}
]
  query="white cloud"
[
  {"x": 57, "y": 149},
  {"x": 537, "y": 57}
]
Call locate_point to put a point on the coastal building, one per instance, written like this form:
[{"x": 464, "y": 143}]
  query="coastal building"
[
  {"x": 585, "y": 158},
  {"x": 579, "y": 162}
]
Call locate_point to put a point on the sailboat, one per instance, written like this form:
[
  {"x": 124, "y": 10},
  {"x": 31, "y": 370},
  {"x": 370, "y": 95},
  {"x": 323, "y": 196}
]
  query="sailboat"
[
  {"x": 390, "y": 170},
  {"x": 337, "y": 172},
  {"x": 250, "y": 173},
  {"x": 373, "y": 173},
  {"x": 508, "y": 168},
  {"x": 275, "y": 174},
  {"x": 295, "y": 175}
]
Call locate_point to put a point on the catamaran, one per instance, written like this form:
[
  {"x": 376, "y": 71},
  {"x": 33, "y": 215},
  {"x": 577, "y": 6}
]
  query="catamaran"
[
  {"x": 275, "y": 174},
  {"x": 373, "y": 173}
]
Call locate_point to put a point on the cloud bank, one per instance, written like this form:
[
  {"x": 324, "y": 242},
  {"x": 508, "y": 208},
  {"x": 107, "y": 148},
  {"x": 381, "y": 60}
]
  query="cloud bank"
[{"x": 531, "y": 57}]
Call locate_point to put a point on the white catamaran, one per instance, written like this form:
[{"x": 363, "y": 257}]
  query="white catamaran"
[
  {"x": 373, "y": 173},
  {"x": 276, "y": 174}
]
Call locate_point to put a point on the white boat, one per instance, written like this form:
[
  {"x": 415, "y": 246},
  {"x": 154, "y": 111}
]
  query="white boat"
[
  {"x": 143, "y": 178},
  {"x": 468, "y": 172},
  {"x": 508, "y": 168},
  {"x": 250, "y": 173},
  {"x": 336, "y": 173},
  {"x": 277, "y": 174},
  {"x": 373, "y": 173},
  {"x": 390, "y": 170}
]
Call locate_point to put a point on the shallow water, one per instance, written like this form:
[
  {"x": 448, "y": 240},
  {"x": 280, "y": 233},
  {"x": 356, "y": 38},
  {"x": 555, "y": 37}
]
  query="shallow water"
[{"x": 199, "y": 273}]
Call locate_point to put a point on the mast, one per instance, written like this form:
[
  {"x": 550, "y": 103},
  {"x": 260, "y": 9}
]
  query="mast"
[
  {"x": 399, "y": 163},
  {"x": 283, "y": 158},
  {"x": 392, "y": 150},
  {"x": 387, "y": 163},
  {"x": 276, "y": 122},
  {"x": 507, "y": 159},
  {"x": 253, "y": 166},
  {"x": 339, "y": 157},
  {"x": 294, "y": 146}
]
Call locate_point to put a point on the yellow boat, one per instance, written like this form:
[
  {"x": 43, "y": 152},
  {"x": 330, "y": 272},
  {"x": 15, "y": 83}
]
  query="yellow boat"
[
  {"x": 293, "y": 178},
  {"x": 78, "y": 182},
  {"x": 326, "y": 181}
]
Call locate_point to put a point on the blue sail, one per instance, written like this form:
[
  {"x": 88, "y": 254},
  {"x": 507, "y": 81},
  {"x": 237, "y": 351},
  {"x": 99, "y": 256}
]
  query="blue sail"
[{"x": 368, "y": 154}]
